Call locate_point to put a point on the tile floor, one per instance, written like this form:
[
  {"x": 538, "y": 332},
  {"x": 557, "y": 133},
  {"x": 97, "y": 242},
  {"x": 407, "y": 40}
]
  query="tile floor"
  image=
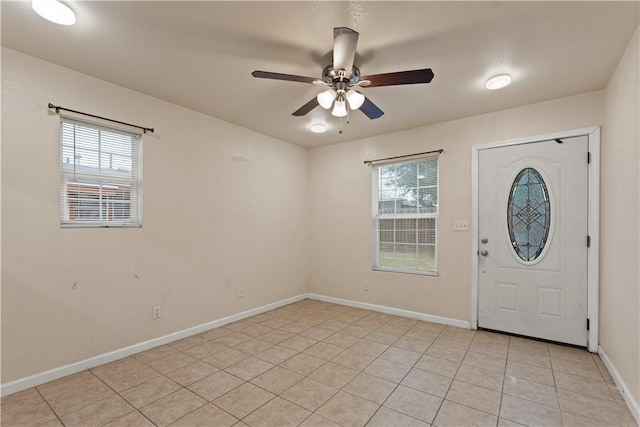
[{"x": 318, "y": 364}]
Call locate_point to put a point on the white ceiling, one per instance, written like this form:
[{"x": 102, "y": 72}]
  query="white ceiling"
[{"x": 200, "y": 55}]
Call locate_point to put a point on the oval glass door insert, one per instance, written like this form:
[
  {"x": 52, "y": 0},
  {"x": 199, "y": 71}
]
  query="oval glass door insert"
[{"x": 528, "y": 214}]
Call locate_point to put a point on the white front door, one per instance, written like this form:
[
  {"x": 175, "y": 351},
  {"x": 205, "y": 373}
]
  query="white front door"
[{"x": 532, "y": 232}]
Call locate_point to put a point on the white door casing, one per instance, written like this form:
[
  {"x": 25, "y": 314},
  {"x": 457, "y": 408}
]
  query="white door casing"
[{"x": 552, "y": 295}]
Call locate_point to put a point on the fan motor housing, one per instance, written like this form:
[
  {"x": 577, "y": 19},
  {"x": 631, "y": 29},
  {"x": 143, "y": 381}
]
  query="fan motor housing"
[{"x": 331, "y": 77}]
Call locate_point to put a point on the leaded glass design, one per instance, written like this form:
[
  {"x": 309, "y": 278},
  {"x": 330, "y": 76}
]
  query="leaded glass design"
[{"x": 528, "y": 214}]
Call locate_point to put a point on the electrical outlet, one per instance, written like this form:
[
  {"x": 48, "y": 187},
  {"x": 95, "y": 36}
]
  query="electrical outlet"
[
  {"x": 155, "y": 312},
  {"x": 240, "y": 292},
  {"x": 365, "y": 286},
  {"x": 461, "y": 225}
]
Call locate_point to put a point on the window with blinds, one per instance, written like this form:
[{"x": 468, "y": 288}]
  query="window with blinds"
[
  {"x": 101, "y": 176},
  {"x": 405, "y": 210}
]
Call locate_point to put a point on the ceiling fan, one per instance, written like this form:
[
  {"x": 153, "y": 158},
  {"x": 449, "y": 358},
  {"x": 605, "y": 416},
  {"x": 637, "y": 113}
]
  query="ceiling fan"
[{"x": 343, "y": 78}]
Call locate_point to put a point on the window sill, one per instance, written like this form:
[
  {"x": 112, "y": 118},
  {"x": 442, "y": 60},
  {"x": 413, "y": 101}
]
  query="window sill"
[{"x": 412, "y": 272}]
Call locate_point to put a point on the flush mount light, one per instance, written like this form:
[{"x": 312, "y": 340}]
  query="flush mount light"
[
  {"x": 318, "y": 128},
  {"x": 498, "y": 82},
  {"x": 54, "y": 11}
]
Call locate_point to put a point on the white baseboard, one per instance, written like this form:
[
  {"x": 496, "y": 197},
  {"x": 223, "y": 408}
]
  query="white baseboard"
[
  {"x": 395, "y": 311},
  {"x": 73, "y": 368},
  {"x": 622, "y": 386}
]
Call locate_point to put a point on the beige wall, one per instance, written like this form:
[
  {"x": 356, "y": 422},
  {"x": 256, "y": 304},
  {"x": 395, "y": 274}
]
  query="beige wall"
[
  {"x": 620, "y": 212},
  {"x": 340, "y": 204},
  {"x": 220, "y": 202}
]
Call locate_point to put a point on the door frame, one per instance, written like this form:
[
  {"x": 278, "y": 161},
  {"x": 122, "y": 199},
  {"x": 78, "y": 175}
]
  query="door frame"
[{"x": 593, "y": 221}]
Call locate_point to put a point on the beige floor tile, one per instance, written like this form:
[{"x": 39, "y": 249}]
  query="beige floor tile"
[
  {"x": 233, "y": 338},
  {"x": 151, "y": 391},
  {"x": 74, "y": 392},
  {"x": 462, "y": 333},
  {"x": 215, "y": 385},
  {"x": 485, "y": 361},
  {"x": 256, "y": 330},
  {"x": 400, "y": 355},
  {"x": 530, "y": 372},
  {"x": 528, "y": 413},
  {"x": 239, "y": 324},
  {"x": 156, "y": 353},
  {"x": 481, "y": 377},
  {"x": 583, "y": 385},
  {"x": 503, "y": 422},
  {"x": 98, "y": 413},
  {"x": 317, "y": 333},
  {"x": 348, "y": 410},
  {"x": 578, "y": 355},
  {"x": 388, "y": 370},
  {"x": 382, "y": 337},
  {"x": 333, "y": 325},
  {"x": 475, "y": 397},
  {"x": 490, "y": 348},
  {"x": 540, "y": 360},
  {"x": 357, "y": 331},
  {"x": 428, "y": 382},
  {"x": 386, "y": 417},
  {"x": 298, "y": 343},
  {"x": 53, "y": 423},
  {"x": 371, "y": 388},
  {"x": 249, "y": 368},
  {"x": 276, "y": 354},
  {"x": 572, "y": 367},
  {"x": 371, "y": 348},
  {"x": 295, "y": 327},
  {"x": 275, "y": 322},
  {"x": 428, "y": 327},
  {"x": 438, "y": 365},
  {"x": 598, "y": 409},
  {"x": 419, "y": 345},
  {"x": 353, "y": 359},
  {"x": 188, "y": 343},
  {"x": 243, "y": 400},
  {"x": 191, "y": 373},
  {"x": 333, "y": 374},
  {"x": 276, "y": 336},
  {"x": 25, "y": 408},
  {"x": 121, "y": 366},
  {"x": 278, "y": 412},
  {"x": 414, "y": 403},
  {"x": 253, "y": 346},
  {"x": 574, "y": 420},
  {"x": 303, "y": 363},
  {"x": 316, "y": 420},
  {"x": 445, "y": 352},
  {"x": 127, "y": 380},
  {"x": 133, "y": 419},
  {"x": 205, "y": 350},
  {"x": 172, "y": 407},
  {"x": 452, "y": 414},
  {"x": 341, "y": 339},
  {"x": 214, "y": 334},
  {"x": 309, "y": 393},
  {"x": 226, "y": 358},
  {"x": 323, "y": 350},
  {"x": 277, "y": 380},
  {"x": 531, "y": 390},
  {"x": 207, "y": 416},
  {"x": 491, "y": 337},
  {"x": 453, "y": 342}
]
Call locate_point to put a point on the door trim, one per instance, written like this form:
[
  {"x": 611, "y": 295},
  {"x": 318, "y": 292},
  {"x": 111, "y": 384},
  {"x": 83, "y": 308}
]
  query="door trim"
[{"x": 593, "y": 222}]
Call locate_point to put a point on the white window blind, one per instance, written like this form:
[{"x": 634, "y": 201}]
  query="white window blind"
[
  {"x": 405, "y": 216},
  {"x": 101, "y": 176}
]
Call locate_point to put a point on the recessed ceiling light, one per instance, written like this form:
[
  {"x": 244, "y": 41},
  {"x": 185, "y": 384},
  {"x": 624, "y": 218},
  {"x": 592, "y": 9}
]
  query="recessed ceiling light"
[
  {"x": 498, "y": 82},
  {"x": 54, "y": 11},
  {"x": 318, "y": 128}
]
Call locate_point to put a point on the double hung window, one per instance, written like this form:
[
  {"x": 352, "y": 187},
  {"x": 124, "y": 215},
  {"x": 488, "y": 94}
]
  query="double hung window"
[
  {"x": 405, "y": 216},
  {"x": 101, "y": 176}
]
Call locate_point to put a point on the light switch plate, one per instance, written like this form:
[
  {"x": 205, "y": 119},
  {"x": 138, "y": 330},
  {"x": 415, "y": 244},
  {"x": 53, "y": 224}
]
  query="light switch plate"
[{"x": 461, "y": 225}]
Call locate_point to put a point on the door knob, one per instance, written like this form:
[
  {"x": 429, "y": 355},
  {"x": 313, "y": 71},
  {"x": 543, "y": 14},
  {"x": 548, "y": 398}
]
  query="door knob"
[
  {"x": 484, "y": 240},
  {"x": 484, "y": 252}
]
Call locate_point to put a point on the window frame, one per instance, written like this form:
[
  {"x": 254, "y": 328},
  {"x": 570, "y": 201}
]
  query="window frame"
[
  {"x": 376, "y": 217},
  {"x": 88, "y": 180}
]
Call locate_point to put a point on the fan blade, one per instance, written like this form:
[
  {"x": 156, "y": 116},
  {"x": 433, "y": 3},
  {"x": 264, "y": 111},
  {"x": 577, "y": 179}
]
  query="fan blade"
[
  {"x": 279, "y": 76},
  {"x": 370, "y": 109},
  {"x": 400, "y": 78},
  {"x": 306, "y": 107},
  {"x": 345, "y": 41}
]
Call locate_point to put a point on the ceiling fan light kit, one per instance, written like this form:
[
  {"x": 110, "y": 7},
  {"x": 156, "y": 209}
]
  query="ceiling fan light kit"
[
  {"x": 54, "y": 11},
  {"x": 498, "y": 82},
  {"x": 342, "y": 77}
]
